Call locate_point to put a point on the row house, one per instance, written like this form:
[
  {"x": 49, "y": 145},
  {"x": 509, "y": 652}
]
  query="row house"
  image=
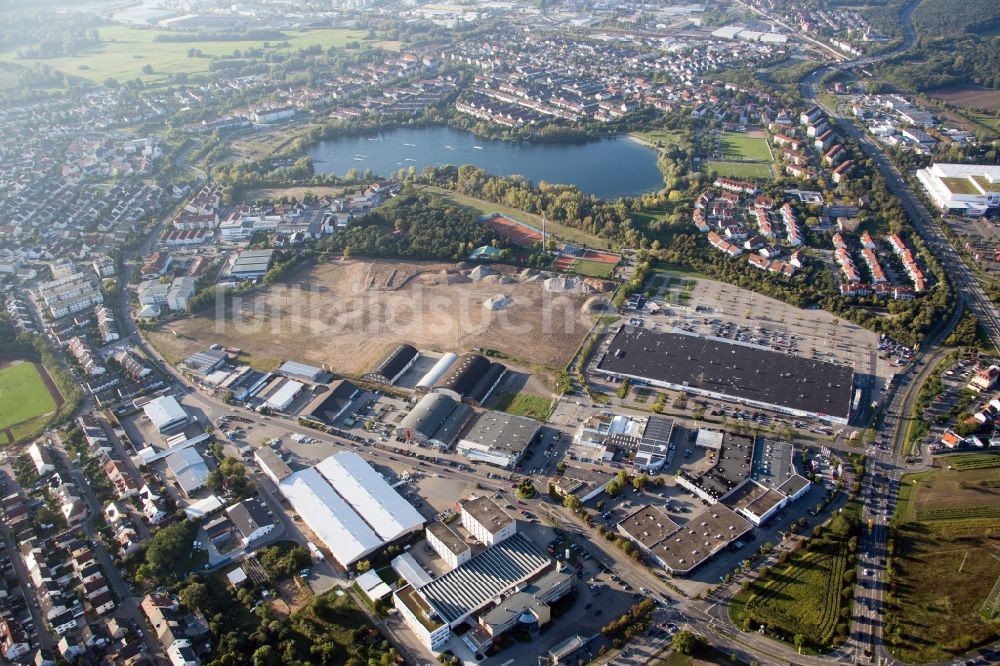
[
  {"x": 878, "y": 275},
  {"x": 699, "y": 220},
  {"x": 785, "y": 141},
  {"x": 825, "y": 140},
  {"x": 842, "y": 171},
  {"x": 106, "y": 323},
  {"x": 738, "y": 186},
  {"x": 792, "y": 228},
  {"x": 867, "y": 241},
  {"x": 834, "y": 155},
  {"x": 903, "y": 251},
  {"x": 130, "y": 364},
  {"x": 847, "y": 266},
  {"x": 798, "y": 159},
  {"x": 804, "y": 173},
  {"x": 84, "y": 355},
  {"x": 764, "y": 223},
  {"x": 723, "y": 245}
]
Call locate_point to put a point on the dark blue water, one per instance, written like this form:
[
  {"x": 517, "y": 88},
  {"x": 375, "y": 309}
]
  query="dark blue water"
[{"x": 609, "y": 168}]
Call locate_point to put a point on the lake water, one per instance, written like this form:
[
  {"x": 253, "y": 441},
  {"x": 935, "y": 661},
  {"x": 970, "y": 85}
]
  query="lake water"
[{"x": 609, "y": 168}]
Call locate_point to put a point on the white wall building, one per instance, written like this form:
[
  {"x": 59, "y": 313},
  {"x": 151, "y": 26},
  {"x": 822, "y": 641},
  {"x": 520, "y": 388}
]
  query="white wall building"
[
  {"x": 962, "y": 189},
  {"x": 486, "y": 521}
]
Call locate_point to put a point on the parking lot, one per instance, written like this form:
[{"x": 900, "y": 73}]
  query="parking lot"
[{"x": 722, "y": 310}]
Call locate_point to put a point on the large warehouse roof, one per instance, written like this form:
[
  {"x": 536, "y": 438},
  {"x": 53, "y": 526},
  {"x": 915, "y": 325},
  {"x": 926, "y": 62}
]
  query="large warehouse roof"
[
  {"x": 165, "y": 412},
  {"x": 506, "y": 433},
  {"x": 336, "y": 524},
  {"x": 472, "y": 585},
  {"x": 285, "y": 395},
  {"x": 328, "y": 406},
  {"x": 383, "y": 508},
  {"x": 463, "y": 375},
  {"x": 396, "y": 362},
  {"x": 428, "y": 415},
  {"x": 731, "y": 369},
  {"x": 349, "y": 506}
]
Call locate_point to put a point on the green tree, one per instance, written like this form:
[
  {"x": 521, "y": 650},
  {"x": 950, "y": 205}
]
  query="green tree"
[
  {"x": 687, "y": 642},
  {"x": 362, "y": 566}
]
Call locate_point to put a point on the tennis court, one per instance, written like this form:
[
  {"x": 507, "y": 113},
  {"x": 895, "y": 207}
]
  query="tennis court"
[{"x": 515, "y": 231}]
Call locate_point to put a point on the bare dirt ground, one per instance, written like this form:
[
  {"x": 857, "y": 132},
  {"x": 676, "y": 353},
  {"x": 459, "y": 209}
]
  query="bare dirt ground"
[
  {"x": 292, "y": 597},
  {"x": 348, "y": 315}
]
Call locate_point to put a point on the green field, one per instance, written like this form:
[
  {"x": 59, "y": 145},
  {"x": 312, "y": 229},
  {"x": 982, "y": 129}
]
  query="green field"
[
  {"x": 946, "y": 532},
  {"x": 738, "y": 169},
  {"x": 597, "y": 269},
  {"x": 659, "y": 137},
  {"x": 742, "y": 146},
  {"x": 124, "y": 52},
  {"x": 804, "y": 594},
  {"x": 523, "y": 404},
  {"x": 23, "y": 395}
]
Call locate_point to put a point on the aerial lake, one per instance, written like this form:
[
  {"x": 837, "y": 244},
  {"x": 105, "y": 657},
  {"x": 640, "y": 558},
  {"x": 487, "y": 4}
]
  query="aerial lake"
[{"x": 609, "y": 168}]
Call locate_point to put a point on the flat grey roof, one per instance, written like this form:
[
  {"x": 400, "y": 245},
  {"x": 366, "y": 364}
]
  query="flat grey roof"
[
  {"x": 649, "y": 525},
  {"x": 448, "y": 537},
  {"x": 732, "y": 466},
  {"x": 470, "y": 586},
  {"x": 499, "y": 430},
  {"x": 268, "y": 458},
  {"x": 765, "y": 502},
  {"x": 708, "y": 532},
  {"x": 793, "y": 484},
  {"x": 730, "y": 369},
  {"x": 488, "y": 513}
]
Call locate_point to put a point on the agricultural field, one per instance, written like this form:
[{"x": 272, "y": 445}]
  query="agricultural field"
[
  {"x": 349, "y": 314},
  {"x": 751, "y": 147},
  {"x": 760, "y": 170},
  {"x": 523, "y": 404},
  {"x": 803, "y": 595},
  {"x": 125, "y": 51},
  {"x": 26, "y": 398},
  {"x": 947, "y": 530},
  {"x": 969, "y": 96}
]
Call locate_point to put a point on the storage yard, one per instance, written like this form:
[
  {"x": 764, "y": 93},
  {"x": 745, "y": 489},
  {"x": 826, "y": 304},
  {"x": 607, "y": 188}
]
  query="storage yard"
[{"x": 348, "y": 315}]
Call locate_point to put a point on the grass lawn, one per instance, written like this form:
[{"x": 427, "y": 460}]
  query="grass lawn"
[
  {"x": 738, "y": 169},
  {"x": 598, "y": 269},
  {"x": 523, "y": 404},
  {"x": 658, "y": 136},
  {"x": 125, "y": 50},
  {"x": 742, "y": 146},
  {"x": 23, "y": 395},
  {"x": 947, "y": 529},
  {"x": 803, "y": 595},
  {"x": 554, "y": 229}
]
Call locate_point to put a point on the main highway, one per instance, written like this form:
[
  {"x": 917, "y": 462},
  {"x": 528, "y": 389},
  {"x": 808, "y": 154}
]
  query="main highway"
[{"x": 967, "y": 287}]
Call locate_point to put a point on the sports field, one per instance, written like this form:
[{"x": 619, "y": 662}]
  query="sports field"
[
  {"x": 25, "y": 399},
  {"x": 738, "y": 169},
  {"x": 944, "y": 564},
  {"x": 124, "y": 51},
  {"x": 515, "y": 231},
  {"x": 744, "y": 146}
]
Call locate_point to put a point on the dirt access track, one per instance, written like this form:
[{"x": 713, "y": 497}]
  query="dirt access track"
[{"x": 347, "y": 315}]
